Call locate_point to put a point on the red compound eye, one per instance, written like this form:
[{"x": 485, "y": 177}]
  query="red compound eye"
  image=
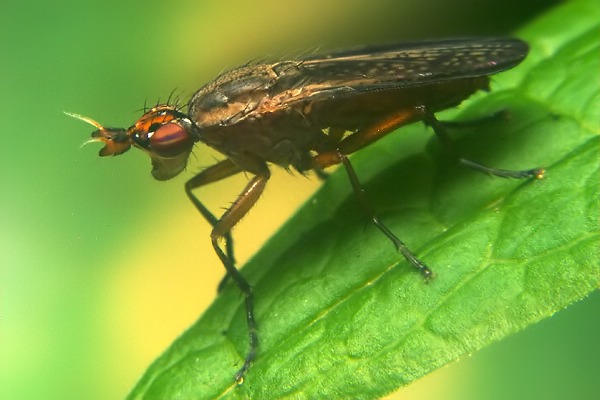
[{"x": 170, "y": 140}]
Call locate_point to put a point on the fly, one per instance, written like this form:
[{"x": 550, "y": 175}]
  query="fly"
[{"x": 309, "y": 114}]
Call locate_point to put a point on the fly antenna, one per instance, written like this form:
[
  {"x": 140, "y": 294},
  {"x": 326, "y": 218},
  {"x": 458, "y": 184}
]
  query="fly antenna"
[{"x": 85, "y": 119}]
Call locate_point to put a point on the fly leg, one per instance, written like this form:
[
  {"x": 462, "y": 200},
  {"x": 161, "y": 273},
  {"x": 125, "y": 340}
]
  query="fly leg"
[
  {"x": 230, "y": 218},
  {"x": 499, "y": 115},
  {"x": 222, "y": 230},
  {"x": 400, "y": 246},
  {"x": 358, "y": 140},
  {"x": 368, "y": 135},
  {"x": 440, "y": 130},
  {"x": 214, "y": 173}
]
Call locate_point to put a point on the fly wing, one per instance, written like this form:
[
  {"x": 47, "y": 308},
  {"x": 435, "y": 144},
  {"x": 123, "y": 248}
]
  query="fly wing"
[{"x": 395, "y": 67}]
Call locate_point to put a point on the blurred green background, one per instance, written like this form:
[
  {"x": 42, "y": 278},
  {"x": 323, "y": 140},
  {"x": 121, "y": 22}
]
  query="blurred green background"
[{"x": 101, "y": 267}]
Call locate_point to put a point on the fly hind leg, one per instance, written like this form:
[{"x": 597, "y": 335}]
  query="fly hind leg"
[{"x": 440, "y": 129}]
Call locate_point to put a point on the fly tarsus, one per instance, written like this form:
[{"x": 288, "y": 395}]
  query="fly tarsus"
[{"x": 246, "y": 290}]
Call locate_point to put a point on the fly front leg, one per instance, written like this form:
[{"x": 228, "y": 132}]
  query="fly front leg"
[
  {"x": 440, "y": 130},
  {"x": 222, "y": 231},
  {"x": 217, "y": 172}
]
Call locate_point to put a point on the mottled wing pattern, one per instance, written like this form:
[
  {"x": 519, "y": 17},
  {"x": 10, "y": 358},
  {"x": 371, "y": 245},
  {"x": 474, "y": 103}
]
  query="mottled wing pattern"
[{"x": 396, "y": 66}]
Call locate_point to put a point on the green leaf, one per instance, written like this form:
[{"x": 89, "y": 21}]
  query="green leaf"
[{"x": 341, "y": 314}]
